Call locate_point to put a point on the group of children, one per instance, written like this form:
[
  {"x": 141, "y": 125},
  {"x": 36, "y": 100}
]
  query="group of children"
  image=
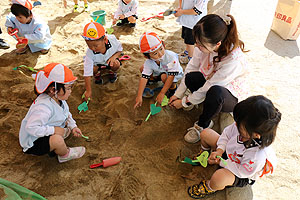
[{"x": 216, "y": 75}]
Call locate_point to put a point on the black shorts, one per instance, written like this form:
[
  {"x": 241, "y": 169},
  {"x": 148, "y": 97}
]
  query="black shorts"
[
  {"x": 242, "y": 182},
  {"x": 41, "y": 147},
  {"x": 187, "y": 35}
]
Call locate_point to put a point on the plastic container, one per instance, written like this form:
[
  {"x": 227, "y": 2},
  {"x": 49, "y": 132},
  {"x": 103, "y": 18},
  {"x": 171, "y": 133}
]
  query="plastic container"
[{"x": 99, "y": 16}]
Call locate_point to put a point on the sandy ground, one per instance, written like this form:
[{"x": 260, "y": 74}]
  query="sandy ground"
[{"x": 149, "y": 169}]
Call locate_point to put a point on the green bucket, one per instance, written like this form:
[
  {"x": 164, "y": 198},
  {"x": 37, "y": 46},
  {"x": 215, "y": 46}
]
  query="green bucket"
[{"x": 99, "y": 16}]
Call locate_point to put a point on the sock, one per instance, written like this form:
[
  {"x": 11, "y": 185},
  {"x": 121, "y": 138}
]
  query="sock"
[
  {"x": 205, "y": 148},
  {"x": 64, "y": 156},
  {"x": 208, "y": 185}
]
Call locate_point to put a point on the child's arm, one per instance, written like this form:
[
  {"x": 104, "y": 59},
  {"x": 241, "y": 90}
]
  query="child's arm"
[
  {"x": 118, "y": 12},
  {"x": 88, "y": 87},
  {"x": 139, "y": 97},
  {"x": 9, "y": 22},
  {"x": 163, "y": 91},
  {"x": 113, "y": 59},
  {"x": 38, "y": 35}
]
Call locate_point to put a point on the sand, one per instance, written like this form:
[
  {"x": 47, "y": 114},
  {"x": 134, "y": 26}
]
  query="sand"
[{"x": 150, "y": 150}]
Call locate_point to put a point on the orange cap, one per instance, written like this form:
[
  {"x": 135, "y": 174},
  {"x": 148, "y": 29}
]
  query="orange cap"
[
  {"x": 93, "y": 31},
  {"x": 53, "y": 72},
  {"x": 149, "y": 42},
  {"x": 25, "y": 3}
]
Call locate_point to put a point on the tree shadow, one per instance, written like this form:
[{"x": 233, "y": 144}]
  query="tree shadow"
[
  {"x": 61, "y": 21},
  {"x": 281, "y": 47}
]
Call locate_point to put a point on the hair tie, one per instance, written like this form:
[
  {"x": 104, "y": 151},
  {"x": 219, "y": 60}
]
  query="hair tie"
[{"x": 227, "y": 20}]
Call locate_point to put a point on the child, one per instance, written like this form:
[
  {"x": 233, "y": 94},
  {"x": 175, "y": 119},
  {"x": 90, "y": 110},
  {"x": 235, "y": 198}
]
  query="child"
[
  {"x": 3, "y": 44},
  {"x": 161, "y": 65},
  {"x": 127, "y": 13},
  {"x": 36, "y": 31},
  {"x": 217, "y": 74},
  {"x": 102, "y": 53},
  {"x": 189, "y": 13},
  {"x": 86, "y": 5},
  {"x": 246, "y": 143},
  {"x": 43, "y": 128}
]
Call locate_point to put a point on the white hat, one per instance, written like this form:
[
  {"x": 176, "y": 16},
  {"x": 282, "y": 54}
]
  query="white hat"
[
  {"x": 149, "y": 42},
  {"x": 53, "y": 72},
  {"x": 25, "y": 3}
]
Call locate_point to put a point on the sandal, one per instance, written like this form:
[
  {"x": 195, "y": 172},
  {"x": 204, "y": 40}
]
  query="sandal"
[{"x": 200, "y": 190}]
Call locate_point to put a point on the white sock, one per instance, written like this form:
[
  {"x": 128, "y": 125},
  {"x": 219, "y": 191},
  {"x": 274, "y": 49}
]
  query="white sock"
[{"x": 208, "y": 185}]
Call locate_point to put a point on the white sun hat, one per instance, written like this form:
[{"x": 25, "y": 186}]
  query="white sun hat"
[
  {"x": 149, "y": 42},
  {"x": 25, "y": 3},
  {"x": 53, "y": 72}
]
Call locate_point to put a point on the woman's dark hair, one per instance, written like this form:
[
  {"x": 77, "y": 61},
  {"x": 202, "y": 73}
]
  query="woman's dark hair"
[
  {"x": 59, "y": 86},
  {"x": 18, "y": 10},
  {"x": 213, "y": 29},
  {"x": 257, "y": 114}
]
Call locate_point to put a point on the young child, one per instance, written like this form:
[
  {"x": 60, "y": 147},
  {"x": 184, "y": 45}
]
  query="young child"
[
  {"x": 36, "y": 31},
  {"x": 3, "y": 44},
  {"x": 189, "y": 13},
  {"x": 161, "y": 65},
  {"x": 127, "y": 13},
  {"x": 86, "y": 5},
  {"x": 216, "y": 75},
  {"x": 102, "y": 53},
  {"x": 49, "y": 121},
  {"x": 245, "y": 143}
]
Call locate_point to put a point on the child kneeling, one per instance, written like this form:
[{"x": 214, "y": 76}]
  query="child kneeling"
[
  {"x": 246, "y": 144},
  {"x": 49, "y": 121},
  {"x": 161, "y": 64}
]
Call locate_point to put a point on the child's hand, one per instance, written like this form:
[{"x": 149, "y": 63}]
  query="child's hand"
[
  {"x": 173, "y": 98},
  {"x": 138, "y": 102},
  {"x": 112, "y": 61},
  {"x": 177, "y": 104},
  {"x": 213, "y": 158},
  {"x": 76, "y": 132},
  {"x": 9, "y": 30},
  {"x": 87, "y": 95},
  {"x": 178, "y": 12},
  {"x": 122, "y": 17},
  {"x": 160, "y": 97},
  {"x": 114, "y": 21}
]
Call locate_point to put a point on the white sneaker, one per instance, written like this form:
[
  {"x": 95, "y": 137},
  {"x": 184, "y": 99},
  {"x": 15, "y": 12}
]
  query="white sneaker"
[
  {"x": 193, "y": 134},
  {"x": 74, "y": 152}
]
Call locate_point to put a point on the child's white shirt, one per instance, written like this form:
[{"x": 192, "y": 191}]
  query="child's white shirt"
[
  {"x": 230, "y": 73},
  {"x": 37, "y": 32},
  {"x": 43, "y": 115},
  {"x": 169, "y": 65},
  {"x": 244, "y": 162},
  {"x": 91, "y": 59},
  {"x": 199, "y": 6},
  {"x": 126, "y": 9}
]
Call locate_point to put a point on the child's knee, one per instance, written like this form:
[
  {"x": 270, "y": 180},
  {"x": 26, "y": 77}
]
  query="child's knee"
[
  {"x": 132, "y": 19},
  {"x": 56, "y": 140}
]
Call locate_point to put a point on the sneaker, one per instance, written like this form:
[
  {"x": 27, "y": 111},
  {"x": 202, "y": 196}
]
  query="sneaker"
[
  {"x": 171, "y": 92},
  {"x": 98, "y": 79},
  {"x": 185, "y": 60},
  {"x": 3, "y": 45},
  {"x": 184, "y": 54},
  {"x": 193, "y": 134},
  {"x": 200, "y": 190},
  {"x": 74, "y": 152},
  {"x": 190, "y": 107},
  {"x": 121, "y": 23},
  {"x": 86, "y": 8},
  {"x": 113, "y": 77},
  {"x": 75, "y": 8},
  {"x": 67, "y": 132}
]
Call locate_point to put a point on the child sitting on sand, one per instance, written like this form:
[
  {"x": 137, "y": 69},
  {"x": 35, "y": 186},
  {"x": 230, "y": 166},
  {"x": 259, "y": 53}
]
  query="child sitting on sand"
[
  {"x": 49, "y": 121},
  {"x": 31, "y": 27},
  {"x": 127, "y": 13},
  {"x": 246, "y": 144},
  {"x": 102, "y": 53},
  {"x": 161, "y": 65}
]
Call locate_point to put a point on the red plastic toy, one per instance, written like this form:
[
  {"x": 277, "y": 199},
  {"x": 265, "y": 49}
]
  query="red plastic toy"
[
  {"x": 107, "y": 162},
  {"x": 160, "y": 15},
  {"x": 22, "y": 42}
]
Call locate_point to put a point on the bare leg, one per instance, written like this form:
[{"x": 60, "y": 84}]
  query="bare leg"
[
  {"x": 209, "y": 138},
  {"x": 57, "y": 143},
  {"x": 190, "y": 49},
  {"x": 76, "y": 1},
  {"x": 221, "y": 178}
]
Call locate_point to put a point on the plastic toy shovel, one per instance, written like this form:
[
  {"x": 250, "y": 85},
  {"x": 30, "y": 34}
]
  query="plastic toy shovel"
[
  {"x": 107, "y": 162},
  {"x": 169, "y": 12},
  {"x": 22, "y": 42},
  {"x": 202, "y": 159}
]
